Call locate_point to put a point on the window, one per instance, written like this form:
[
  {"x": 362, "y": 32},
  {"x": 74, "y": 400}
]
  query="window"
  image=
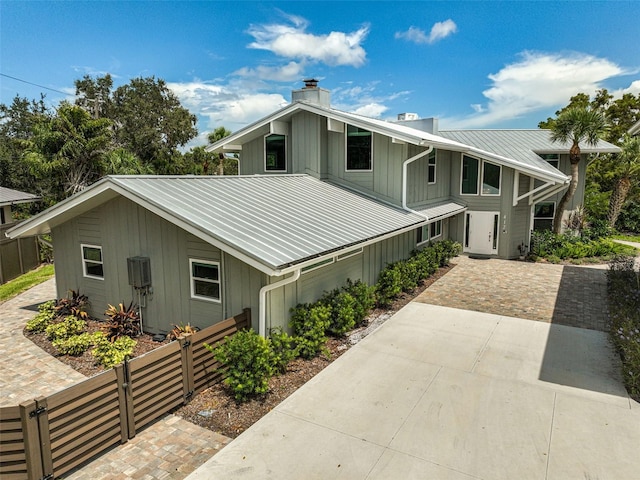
[
  {"x": 543, "y": 213},
  {"x": 490, "y": 179},
  {"x": 428, "y": 232},
  {"x": 431, "y": 174},
  {"x": 315, "y": 266},
  {"x": 275, "y": 153},
  {"x": 92, "y": 261},
  {"x": 470, "y": 167},
  {"x": 205, "y": 280},
  {"x": 552, "y": 158},
  {"x": 359, "y": 149}
]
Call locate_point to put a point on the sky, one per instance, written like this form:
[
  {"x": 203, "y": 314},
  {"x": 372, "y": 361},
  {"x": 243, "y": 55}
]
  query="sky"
[{"x": 480, "y": 64}]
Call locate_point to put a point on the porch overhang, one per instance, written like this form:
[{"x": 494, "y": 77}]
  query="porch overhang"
[{"x": 534, "y": 193}]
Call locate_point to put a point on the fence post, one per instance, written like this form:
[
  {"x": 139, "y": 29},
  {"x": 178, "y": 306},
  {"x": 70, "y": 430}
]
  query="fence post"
[
  {"x": 247, "y": 315},
  {"x": 42, "y": 415},
  {"x": 128, "y": 397},
  {"x": 188, "y": 380},
  {"x": 122, "y": 402},
  {"x": 31, "y": 440}
]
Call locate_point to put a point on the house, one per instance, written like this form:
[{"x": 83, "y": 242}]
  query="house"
[
  {"x": 16, "y": 256},
  {"x": 322, "y": 196}
]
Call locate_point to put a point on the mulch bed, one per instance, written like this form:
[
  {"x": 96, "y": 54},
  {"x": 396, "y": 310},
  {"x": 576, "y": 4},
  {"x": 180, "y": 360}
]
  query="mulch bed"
[{"x": 216, "y": 409}]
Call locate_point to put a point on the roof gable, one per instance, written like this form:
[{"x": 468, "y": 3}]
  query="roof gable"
[{"x": 9, "y": 196}]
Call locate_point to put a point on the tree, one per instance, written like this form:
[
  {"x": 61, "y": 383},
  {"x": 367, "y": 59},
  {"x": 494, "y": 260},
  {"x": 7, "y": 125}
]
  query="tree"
[
  {"x": 575, "y": 125},
  {"x": 626, "y": 170},
  {"x": 150, "y": 122},
  {"x": 66, "y": 152},
  {"x": 225, "y": 164},
  {"x": 94, "y": 95}
]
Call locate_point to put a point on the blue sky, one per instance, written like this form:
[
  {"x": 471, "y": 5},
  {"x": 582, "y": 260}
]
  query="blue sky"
[{"x": 481, "y": 64}]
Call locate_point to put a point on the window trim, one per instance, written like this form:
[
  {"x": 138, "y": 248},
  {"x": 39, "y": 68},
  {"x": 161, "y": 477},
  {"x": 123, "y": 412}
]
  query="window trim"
[
  {"x": 346, "y": 151},
  {"x": 426, "y": 232},
  {"x": 477, "y": 177},
  {"x": 499, "y": 180},
  {"x": 437, "y": 222},
  {"x": 85, "y": 260},
  {"x": 534, "y": 218},
  {"x": 266, "y": 170},
  {"x": 432, "y": 156},
  {"x": 192, "y": 279},
  {"x": 549, "y": 160}
]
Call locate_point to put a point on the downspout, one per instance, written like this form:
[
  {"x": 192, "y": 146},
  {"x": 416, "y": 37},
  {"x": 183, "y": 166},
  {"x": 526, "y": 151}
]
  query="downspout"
[
  {"x": 262, "y": 316},
  {"x": 405, "y": 164}
]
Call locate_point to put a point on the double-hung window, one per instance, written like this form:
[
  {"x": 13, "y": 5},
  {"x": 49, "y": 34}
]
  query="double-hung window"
[
  {"x": 359, "y": 149},
  {"x": 429, "y": 232},
  {"x": 205, "y": 280},
  {"x": 431, "y": 173},
  {"x": 275, "y": 156},
  {"x": 543, "y": 213},
  {"x": 92, "y": 261}
]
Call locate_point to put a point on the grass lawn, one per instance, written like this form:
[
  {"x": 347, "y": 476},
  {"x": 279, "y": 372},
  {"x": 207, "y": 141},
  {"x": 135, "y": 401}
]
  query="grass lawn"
[{"x": 25, "y": 282}]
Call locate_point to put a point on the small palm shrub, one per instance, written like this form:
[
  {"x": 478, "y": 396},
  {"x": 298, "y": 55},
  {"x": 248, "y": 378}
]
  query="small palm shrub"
[
  {"x": 45, "y": 316},
  {"x": 75, "y": 304},
  {"x": 248, "y": 362},
  {"x": 111, "y": 353},
  {"x": 123, "y": 321},
  {"x": 310, "y": 323},
  {"x": 181, "y": 329}
]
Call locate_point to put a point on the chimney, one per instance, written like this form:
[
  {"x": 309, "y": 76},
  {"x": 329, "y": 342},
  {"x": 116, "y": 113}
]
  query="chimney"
[
  {"x": 311, "y": 93},
  {"x": 429, "y": 125}
]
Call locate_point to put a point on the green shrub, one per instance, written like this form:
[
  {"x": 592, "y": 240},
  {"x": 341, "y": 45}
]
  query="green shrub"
[
  {"x": 567, "y": 246},
  {"x": 283, "y": 349},
  {"x": 46, "y": 314},
  {"x": 365, "y": 297},
  {"x": 74, "y": 304},
  {"x": 427, "y": 262},
  {"x": 310, "y": 323},
  {"x": 66, "y": 328},
  {"x": 248, "y": 362},
  {"x": 74, "y": 345},
  {"x": 389, "y": 285},
  {"x": 109, "y": 353},
  {"x": 343, "y": 313},
  {"x": 408, "y": 274},
  {"x": 445, "y": 250}
]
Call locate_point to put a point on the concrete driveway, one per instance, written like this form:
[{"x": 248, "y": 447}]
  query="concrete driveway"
[{"x": 442, "y": 393}]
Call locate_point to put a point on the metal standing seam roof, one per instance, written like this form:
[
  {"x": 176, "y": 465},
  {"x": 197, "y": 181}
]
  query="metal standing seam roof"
[
  {"x": 522, "y": 145},
  {"x": 277, "y": 220},
  {"x": 441, "y": 210},
  {"x": 9, "y": 196}
]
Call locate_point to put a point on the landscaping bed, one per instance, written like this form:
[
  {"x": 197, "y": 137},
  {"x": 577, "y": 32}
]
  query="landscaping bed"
[{"x": 215, "y": 408}]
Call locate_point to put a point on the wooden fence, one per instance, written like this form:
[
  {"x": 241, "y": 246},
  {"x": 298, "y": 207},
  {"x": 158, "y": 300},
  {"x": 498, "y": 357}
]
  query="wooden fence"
[
  {"x": 49, "y": 436},
  {"x": 18, "y": 255}
]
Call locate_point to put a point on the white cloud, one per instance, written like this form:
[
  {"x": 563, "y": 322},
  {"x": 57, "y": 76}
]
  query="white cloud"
[
  {"x": 439, "y": 31},
  {"x": 536, "y": 82},
  {"x": 363, "y": 99},
  {"x": 284, "y": 73},
  {"x": 634, "y": 89},
  {"x": 373, "y": 109},
  {"x": 232, "y": 106},
  {"x": 293, "y": 41}
]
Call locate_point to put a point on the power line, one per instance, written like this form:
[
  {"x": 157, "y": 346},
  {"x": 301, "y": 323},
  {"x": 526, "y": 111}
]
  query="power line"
[{"x": 34, "y": 84}]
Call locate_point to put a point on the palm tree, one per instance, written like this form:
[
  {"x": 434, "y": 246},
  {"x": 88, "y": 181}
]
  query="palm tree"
[
  {"x": 627, "y": 169},
  {"x": 575, "y": 125}
]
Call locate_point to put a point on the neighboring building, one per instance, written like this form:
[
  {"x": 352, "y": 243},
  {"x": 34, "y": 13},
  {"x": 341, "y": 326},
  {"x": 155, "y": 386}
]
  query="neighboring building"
[
  {"x": 19, "y": 255},
  {"x": 322, "y": 196},
  {"x": 635, "y": 129}
]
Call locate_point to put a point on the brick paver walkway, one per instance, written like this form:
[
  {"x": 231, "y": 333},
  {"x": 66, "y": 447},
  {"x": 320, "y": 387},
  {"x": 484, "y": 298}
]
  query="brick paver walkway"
[
  {"x": 171, "y": 448},
  {"x": 566, "y": 295}
]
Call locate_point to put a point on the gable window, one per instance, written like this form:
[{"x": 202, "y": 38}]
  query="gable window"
[
  {"x": 431, "y": 174},
  {"x": 92, "y": 261},
  {"x": 490, "y": 178},
  {"x": 275, "y": 153},
  {"x": 205, "y": 280},
  {"x": 543, "y": 213},
  {"x": 359, "y": 149},
  {"x": 552, "y": 158},
  {"x": 470, "y": 170}
]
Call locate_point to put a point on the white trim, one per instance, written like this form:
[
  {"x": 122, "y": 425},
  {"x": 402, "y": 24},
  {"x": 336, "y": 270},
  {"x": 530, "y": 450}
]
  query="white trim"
[
  {"x": 262, "y": 300},
  {"x": 346, "y": 152},
  {"x": 534, "y": 218},
  {"x": 496, "y": 233},
  {"x": 484, "y": 162},
  {"x": 477, "y": 178},
  {"x": 85, "y": 260},
  {"x": 264, "y": 144},
  {"x": 434, "y": 223},
  {"x": 192, "y": 279}
]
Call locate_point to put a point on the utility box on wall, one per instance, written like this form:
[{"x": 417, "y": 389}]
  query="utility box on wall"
[{"x": 139, "y": 269}]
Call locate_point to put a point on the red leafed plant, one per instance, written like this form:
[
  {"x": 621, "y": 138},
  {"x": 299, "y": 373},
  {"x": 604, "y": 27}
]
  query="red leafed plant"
[{"x": 123, "y": 321}]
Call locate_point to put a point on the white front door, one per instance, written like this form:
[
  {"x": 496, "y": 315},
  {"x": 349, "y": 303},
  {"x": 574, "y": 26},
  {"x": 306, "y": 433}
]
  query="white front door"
[{"x": 481, "y": 232}]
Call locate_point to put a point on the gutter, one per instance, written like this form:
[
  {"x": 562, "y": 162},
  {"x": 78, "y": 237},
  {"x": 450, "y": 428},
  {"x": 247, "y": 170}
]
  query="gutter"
[
  {"x": 262, "y": 315},
  {"x": 405, "y": 164}
]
